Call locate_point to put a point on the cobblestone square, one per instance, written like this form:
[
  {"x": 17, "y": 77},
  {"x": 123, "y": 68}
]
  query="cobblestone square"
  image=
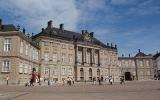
[{"x": 135, "y": 90}]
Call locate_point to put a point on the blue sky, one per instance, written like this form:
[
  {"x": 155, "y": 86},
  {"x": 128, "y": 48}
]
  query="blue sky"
[{"x": 131, "y": 24}]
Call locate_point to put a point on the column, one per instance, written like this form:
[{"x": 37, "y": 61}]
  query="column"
[
  {"x": 98, "y": 57},
  {"x": 84, "y": 55},
  {"x": 76, "y": 55},
  {"x": 92, "y": 56}
]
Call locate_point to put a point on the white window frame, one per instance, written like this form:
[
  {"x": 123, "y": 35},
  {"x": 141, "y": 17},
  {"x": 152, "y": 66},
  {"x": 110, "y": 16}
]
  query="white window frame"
[
  {"x": 55, "y": 71},
  {"x": 70, "y": 71},
  {"x": 70, "y": 58},
  {"x": 26, "y": 68},
  {"x": 63, "y": 71},
  {"x": 6, "y": 66},
  {"x": 20, "y": 68},
  {"x": 21, "y": 47},
  {"x": 46, "y": 71},
  {"x": 46, "y": 56},
  {"x": 63, "y": 58},
  {"x": 54, "y": 57},
  {"x": 7, "y": 44}
]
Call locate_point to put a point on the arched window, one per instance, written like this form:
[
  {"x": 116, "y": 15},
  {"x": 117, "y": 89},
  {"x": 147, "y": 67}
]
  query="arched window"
[
  {"x": 81, "y": 74},
  {"x": 98, "y": 72},
  {"x": 90, "y": 73}
]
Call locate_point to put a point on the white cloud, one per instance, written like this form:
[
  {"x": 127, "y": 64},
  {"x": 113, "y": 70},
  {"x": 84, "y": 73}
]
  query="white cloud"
[{"x": 35, "y": 13}]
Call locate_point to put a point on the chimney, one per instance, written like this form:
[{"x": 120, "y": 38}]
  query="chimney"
[
  {"x": 32, "y": 34},
  {"x": 61, "y": 27},
  {"x": 0, "y": 22},
  {"x": 139, "y": 50},
  {"x": 49, "y": 24},
  {"x": 129, "y": 55},
  {"x": 82, "y": 32},
  {"x": 42, "y": 29},
  {"x": 115, "y": 46},
  {"x": 92, "y": 33},
  {"x": 107, "y": 44},
  {"x": 24, "y": 30},
  {"x": 111, "y": 45}
]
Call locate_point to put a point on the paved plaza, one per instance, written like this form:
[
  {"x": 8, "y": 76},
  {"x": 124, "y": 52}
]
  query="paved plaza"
[{"x": 135, "y": 90}]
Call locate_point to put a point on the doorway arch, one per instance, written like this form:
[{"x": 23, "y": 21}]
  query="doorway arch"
[{"x": 127, "y": 76}]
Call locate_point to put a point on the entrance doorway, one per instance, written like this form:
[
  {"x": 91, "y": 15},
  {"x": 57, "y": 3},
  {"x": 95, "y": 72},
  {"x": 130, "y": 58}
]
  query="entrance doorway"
[{"x": 128, "y": 76}]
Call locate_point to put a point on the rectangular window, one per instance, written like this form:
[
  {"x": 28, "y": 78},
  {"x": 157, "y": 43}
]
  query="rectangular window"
[
  {"x": 26, "y": 69},
  {"x": 46, "y": 43},
  {"x": 63, "y": 58},
  {"x": 21, "y": 47},
  {"x": 30, "y": 69},
  {"x": 46, "y": 71},
  {"x": 20, "y": 68},
  {"x": 7, "y": 44},
  {"x": 54, "y": 57},
  {"x": 46, "y": 57},
  {"x": 6, "y": 66},
  {"x": 54, "y": 71},
  {"x": 70, "y": 71},
  {"x": 70, "y": 58},
  {"x": 147, "y": 63},
  {"x": 70, "y": 47},
  {"x": 63, "y": 71},
  {"x": 27, "y": 49},
  {"x": 36, "y": 54},
  {"x": 140, "y": 63},
  {"x": 63, "y": 46}
]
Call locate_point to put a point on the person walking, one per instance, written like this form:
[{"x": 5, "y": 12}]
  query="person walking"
[
  {"x": 94, "y": 80},
  {"x": 122, "y": 80},
  {"x": 7, "y": 79},
  {"x": 99, "y": 81},
  {"x": 31, "y": 82},
  {"x": 110, "y": 80}
]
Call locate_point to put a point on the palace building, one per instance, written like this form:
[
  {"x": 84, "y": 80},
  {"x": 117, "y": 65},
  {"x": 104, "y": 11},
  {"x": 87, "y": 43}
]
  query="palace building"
[
  {"x": 18, "y": 55},
  {"x": 79, "y": 56},
  {"x": 56, "y": 54},
  {"x": 139, "y": 67}
]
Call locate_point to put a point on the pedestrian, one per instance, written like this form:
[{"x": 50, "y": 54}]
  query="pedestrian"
[
  {"x": 94, "y": 80},
  {"x": 7, "y": 78},
  {"x": 122, "y": 80},
  {"x": 110, "y": 80},
  {"x": 63, "y": 81},
  {"x": 31, "y": 82},
  {"x": 99, "y": 81}
]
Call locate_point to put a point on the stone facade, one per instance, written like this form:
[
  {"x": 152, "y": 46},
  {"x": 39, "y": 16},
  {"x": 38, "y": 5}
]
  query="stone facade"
[
  {"x": 57, "y": 54},
  {"x": 156, "y": 63},
  {"x": 18, "y": 56},
  {"x": 139, "y": 67},
  {"x": 79, "y": 56}
]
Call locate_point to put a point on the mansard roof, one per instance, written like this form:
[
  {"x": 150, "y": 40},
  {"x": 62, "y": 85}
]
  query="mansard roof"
[
  {"x": 156, "y": 56},
  {"x": 140, "y": 54},
  {"x": 9, "y": 27},
  {"x": 70, "y": 36}
]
